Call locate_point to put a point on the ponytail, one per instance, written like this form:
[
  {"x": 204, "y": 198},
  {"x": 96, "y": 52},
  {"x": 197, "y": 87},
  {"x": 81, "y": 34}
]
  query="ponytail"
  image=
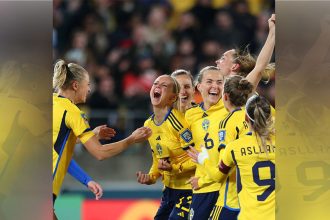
[
  {"x": 259, "y": 112},
  {"x": 64, "y": 74}
]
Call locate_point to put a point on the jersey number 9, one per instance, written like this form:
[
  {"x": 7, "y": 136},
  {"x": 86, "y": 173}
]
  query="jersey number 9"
[{"x": 264, "y": 182}]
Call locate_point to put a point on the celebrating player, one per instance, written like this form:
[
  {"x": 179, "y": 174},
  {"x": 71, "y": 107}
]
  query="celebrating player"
[
  {"x": 170, "y": 136},
  {"x": 69, "y": 123}
]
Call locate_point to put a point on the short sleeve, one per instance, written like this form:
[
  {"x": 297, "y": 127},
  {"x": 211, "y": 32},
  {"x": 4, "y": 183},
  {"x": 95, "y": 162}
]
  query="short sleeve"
[
  {"x": 227, "y": 156},
  {"x": 186, "y": 138},
  {"x": 78, "y": 123}
]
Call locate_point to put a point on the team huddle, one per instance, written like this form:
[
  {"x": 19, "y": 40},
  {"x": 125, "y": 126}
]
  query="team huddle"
[{"x": 216, "y": 159}]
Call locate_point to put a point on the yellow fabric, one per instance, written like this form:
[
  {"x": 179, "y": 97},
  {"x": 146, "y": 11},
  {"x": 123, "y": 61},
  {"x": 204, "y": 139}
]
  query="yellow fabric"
[
  {"x": 69, "y": 123},
  {"x": 230, "y": 129},
  {"x": 256, "y": 172},
  {"x": 204, "y": 126},
  {"x": 167, "y": 141}
]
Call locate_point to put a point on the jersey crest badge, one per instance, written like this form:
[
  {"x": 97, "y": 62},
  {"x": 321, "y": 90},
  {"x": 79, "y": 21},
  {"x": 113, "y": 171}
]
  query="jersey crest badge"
[
  {"x": 186, "y": 135},
  {"x": 159, "y": 149},
  {"x": 205, "y": 124},
  {"x": 222, "y": 135}
]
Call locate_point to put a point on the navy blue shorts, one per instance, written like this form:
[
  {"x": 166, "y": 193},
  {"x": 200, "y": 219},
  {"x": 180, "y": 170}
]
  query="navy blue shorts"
[
  {"x": 223, "y": 213},
  {"x": 174, "y": 205},
  {"x": 202, "y": 205}
]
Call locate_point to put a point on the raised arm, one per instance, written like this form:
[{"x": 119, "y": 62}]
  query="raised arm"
[{"x": 265, "y": 55}]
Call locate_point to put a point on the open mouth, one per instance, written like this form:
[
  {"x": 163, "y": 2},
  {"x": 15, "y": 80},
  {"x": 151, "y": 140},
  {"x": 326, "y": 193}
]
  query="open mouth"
[
  {"x": 213, "y": 93},
  {"x": 157, "y": 95},
  {"x": 184, "y": 98}
]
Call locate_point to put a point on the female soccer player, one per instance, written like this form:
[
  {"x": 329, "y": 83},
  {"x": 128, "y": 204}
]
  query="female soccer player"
[
  {"x": 235, "y": 93},
  {"x": 253, "y": 155},
  {"x": 228, "y": 66},
  {"x": 69, "y": 123},
  {"x": 203, "y": 121},
  {"x": 170, "y": 136},
  {"x": 187, "y": 89},
  {"x": 238, "y": 62}
]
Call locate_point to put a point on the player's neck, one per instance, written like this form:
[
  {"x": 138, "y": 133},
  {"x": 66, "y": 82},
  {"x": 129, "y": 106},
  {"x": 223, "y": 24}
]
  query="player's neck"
[
  {"x": 160, "y": 113},
  {"x": 67, "y": 94},
  {"x": 231, "y": 108}
]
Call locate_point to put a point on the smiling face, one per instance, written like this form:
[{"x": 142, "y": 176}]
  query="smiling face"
[
  {"x": 162, "y": 92},
  {"x": 210, "y": 87},
  {"x": 186, "y": 90},
  {"x": 226, "y": 62}
]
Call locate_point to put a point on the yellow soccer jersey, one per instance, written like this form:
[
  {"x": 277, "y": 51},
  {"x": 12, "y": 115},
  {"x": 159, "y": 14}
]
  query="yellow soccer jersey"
[
  {"x": 168, "y": 140},
  {"x": 230, "y": 129},
  {"x": 204, "y": 125},
  {"x": 69, "y": 123},
  {"x": 255, "y": 176}
]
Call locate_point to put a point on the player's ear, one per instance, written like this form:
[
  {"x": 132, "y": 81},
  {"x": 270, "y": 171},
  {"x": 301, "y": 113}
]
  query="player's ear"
[
  {"x": 75, "y": 85},
  {"x": 235, "y": 67},
  {"x": 198, "y": 86},
  {"x": 225, "y": 96}
]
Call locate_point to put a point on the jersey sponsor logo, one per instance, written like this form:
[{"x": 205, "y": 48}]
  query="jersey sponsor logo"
[
  {"x": 222, "y": 135},
  {"x": 206, "y": 124},
  {"x": 186, "y": 135},
  {"x": 159, "y": 149}
]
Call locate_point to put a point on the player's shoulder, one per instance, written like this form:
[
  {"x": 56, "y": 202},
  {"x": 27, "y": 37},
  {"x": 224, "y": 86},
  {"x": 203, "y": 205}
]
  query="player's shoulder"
[
  {"x": 176, "y": 119},
  {"x": 149, "y": 120},
  {"x": 244, "y": 139},
  {"x": 231, "y": 119},
  {"x": 62, "y": 102},
  {"x": 193, "y": 110}
]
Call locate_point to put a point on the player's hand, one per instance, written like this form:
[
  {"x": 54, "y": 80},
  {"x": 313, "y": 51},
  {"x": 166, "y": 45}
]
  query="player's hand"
[
  {"x": 140, "y": 135},
  {"x": 194, "y": 182},
  {"x": 143, "y": 178},
  {"x": 95, "y": 188},
  {"x": 271, "y": 23},
  {"x": 104, "y": 133},
  {"x": 193, "y": 154},
  {"x": 164, "y": 165}
]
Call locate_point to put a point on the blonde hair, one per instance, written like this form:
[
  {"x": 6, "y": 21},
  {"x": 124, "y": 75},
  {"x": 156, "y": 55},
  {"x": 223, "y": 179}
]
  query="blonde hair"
[
  {"x": 202, "y": 72},
  {"x": 64, "y": 74},
  {"x": 181, "y": 72},
  {"x": 176, "y": 90},
  {"x": 245, "y": 60},
  {"x": 258, "y": 111}
]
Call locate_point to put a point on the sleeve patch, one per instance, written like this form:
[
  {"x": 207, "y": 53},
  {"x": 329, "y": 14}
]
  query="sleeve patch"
[
  {"x": 186, "y": 135},
  {"x": 222, "y": 135},
  {"x": 83, "y": 115}
]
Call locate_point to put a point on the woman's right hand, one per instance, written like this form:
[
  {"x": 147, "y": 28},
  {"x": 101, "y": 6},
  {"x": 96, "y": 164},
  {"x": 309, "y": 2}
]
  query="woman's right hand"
[
  {"x": 271, "y": 22},
  {"x": 140, "y": 135},
  {"x": 143, "y": 178}
]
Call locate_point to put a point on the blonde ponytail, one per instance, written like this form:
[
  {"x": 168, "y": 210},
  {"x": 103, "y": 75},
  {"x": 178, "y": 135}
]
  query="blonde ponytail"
[{"x": 64, "y": 74}]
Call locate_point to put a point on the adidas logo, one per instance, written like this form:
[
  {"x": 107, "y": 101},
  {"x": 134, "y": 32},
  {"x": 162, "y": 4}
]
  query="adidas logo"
[
  {"x": 181, "y": 214},
  {"x": 158, "y": 138},
  {"x": 204, "y": 115}
]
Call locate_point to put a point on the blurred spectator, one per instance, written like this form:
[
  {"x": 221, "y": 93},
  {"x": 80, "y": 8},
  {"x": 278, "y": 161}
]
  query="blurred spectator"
[{"x": 126, "y": 44}]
